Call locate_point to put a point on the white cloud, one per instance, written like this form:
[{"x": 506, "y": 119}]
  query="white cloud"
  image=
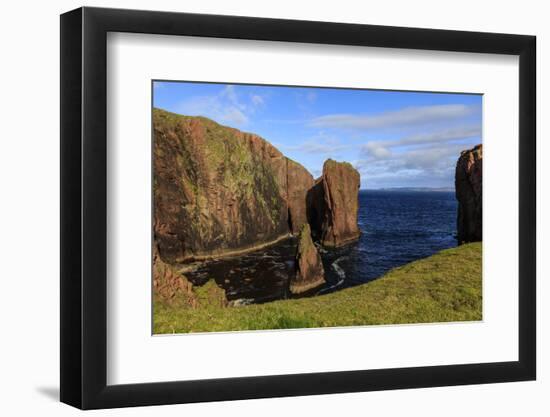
[
  {"x": 229, "y": 93},
  {"x": 318, "y": 148},
  {"x": 321, "y": 143},
  {"x": 257, "y": 100},
  {"x": 213, "y": 107},
  {"x": 438, "y": 162},
  {"x": 234, "y": 115},
  {"x": 422, "y": 165},
  {"x": 225, "y": 107},
  {"x": 382, "y": 148},
  {"x": 406, "y": 117},
  {"x": 376, "y": 151},
  {"x": 447, "y": 135}
]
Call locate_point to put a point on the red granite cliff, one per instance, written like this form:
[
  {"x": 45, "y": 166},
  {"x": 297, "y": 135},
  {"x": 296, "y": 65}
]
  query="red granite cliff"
[{"x": 468, "y": 188}]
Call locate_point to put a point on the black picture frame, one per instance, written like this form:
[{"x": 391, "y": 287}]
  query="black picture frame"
[{"x": 84, "y": 207}]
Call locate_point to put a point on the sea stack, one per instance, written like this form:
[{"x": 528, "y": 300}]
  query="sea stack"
[
  {"x": 310, "y": 273},
  {"x": 468, "y": 188},
  {"x": 299, "y": 182},
  {"x": 334, "y": 204}
]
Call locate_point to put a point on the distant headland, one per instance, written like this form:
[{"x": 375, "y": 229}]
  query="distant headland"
[{"x": 415, "y": 189}]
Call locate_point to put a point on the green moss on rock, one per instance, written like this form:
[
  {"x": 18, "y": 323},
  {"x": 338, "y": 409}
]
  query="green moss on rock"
[{"x": 217, "y": 189}]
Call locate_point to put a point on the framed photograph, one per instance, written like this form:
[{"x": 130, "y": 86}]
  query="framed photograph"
[{"x": 258, "y": 208}]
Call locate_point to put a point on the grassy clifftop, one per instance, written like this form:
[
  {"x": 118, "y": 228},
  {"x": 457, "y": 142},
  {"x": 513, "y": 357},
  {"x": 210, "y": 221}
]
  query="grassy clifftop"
[{"x": 441, "y": 288}]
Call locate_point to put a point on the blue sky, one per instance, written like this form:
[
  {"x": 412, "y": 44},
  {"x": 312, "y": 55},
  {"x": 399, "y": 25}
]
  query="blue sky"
[{"x": 394, "y": 139}]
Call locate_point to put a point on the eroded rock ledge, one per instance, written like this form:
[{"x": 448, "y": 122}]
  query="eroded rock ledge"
[{"x": 468, "y": 188}]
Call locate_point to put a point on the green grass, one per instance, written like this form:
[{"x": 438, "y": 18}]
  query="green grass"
[{"x": 444, "y": 287}]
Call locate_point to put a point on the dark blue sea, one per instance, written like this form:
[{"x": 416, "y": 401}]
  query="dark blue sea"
[{"x": 397, "y": 227}]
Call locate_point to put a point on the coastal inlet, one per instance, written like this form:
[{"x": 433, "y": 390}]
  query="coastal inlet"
[
  {"x": 397, "y": 227},
  {"x": 221, "y": 194}
]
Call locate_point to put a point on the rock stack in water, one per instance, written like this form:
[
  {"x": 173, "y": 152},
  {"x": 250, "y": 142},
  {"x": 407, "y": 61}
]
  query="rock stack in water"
[
  {"x": 468, "y": 188},
  {"x": 310, "y": 273},
  {"x": 219, "y": 191},
  {"x": 334, "y": 204}
]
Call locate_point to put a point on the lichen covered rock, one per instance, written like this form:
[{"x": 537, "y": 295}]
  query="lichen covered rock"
[
  {"x": 171, "y": 286},
  {"x": 219, "y": 191},
  {"x": 468, "y": 189},
  {"x": 168, "y": 283},
  {"x": 334, "y": 204},
  {"x": 310, "y": 273},
  {"x": 216, "y": 190}
]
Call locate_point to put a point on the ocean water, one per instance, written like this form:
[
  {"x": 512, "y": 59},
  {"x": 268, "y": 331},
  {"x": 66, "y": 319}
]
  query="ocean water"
[{"x": 397, "y": 227}]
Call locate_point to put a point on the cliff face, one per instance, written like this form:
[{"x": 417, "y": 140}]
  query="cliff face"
[
  {"x": 299, "y": 181},
  {"x": 219, "y": 191},
  {"x": 334, "y": 204},
  {"x": 309, "y": 266},
  {"x": 468, "y": 188}
]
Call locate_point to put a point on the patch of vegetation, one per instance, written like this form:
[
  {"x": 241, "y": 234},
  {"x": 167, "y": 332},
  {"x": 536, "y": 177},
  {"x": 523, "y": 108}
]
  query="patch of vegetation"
[
  {"x": 223, "y": 160},
  {"x": 331, "y": 163},
  {"x": 304, "y": 240},
  {"x": 444, "y": 287}
]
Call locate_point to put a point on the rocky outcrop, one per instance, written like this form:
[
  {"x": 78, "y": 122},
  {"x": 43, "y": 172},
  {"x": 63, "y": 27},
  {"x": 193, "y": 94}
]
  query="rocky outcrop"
[
  {"x": 168, "y": 283},
  {"x": 219, "y": 191},
  {"x": 334, "y": 204},
  {"x": 309, "y": 266},
  {"x": 468, "y": 189},
  {"x": 299, "y": 182},
  {"x": 171, "y": 286}
]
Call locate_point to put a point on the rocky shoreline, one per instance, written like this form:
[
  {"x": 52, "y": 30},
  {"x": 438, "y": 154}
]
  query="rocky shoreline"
[
  {"x": 404, "y": 295},
  {"x": 232, "y": 253},
  {"x": 222, "y": 192}
]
